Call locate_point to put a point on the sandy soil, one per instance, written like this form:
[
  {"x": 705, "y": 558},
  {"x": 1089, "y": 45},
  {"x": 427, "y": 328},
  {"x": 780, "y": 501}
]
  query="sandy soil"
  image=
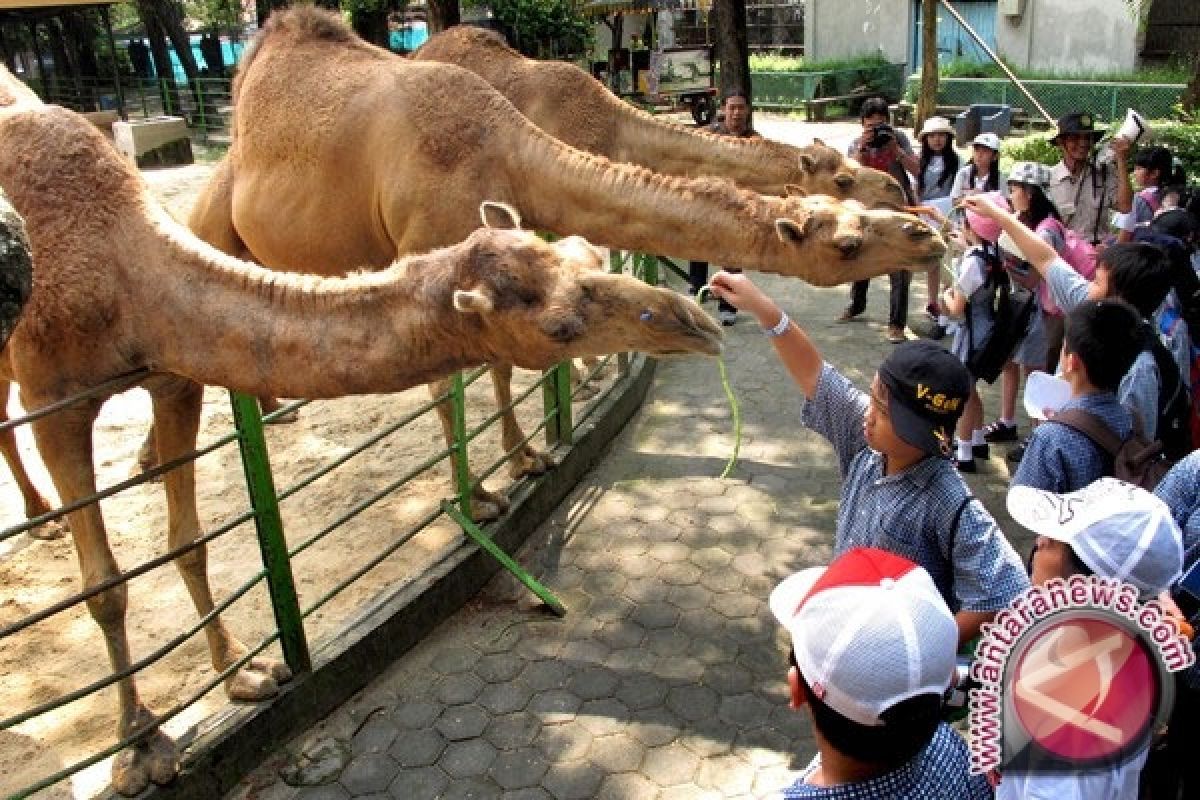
[{"x": 67, "y": 651}]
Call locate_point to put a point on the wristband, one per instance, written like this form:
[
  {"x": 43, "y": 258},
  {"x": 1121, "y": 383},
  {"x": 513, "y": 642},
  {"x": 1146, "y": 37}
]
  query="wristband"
[{"x": 780, "y": 327}]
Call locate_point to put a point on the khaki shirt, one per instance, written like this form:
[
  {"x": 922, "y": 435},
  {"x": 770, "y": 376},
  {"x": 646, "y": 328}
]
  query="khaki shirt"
[{"x": 1085, "y": 202}]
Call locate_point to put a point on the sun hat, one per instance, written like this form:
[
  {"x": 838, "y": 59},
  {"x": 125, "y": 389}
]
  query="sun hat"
[
  {"x": 986, "y": 228},
  {"x": 988, "y": 140},
  {"x": 1117, "y": 529},
  {"x": 1030, "y": 172},
  {"x": 936, "y": 125},
  {"x": 927, "y": 391},
  {"x": 1077, "y": 122},
  {"x": 868, "y": 631}
]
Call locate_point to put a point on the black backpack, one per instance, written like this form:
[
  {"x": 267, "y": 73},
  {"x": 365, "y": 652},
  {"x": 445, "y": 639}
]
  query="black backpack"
[
  {"x": 1174, "y": 400},
  {"x": 1012, "y": 308},
  {"x": 1136, "y": 459}
]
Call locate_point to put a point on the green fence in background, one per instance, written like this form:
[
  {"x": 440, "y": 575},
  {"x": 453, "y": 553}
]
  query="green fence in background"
[{"x": 789, "y": 90}]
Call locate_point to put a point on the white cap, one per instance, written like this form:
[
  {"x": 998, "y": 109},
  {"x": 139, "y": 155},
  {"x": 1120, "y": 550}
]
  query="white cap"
[
  {"x": 988, "y": 140},
  {"x": 1117, "y": 529},
  {"x": 869, "y": 631},
  {"x": 1045, "y": 392}
]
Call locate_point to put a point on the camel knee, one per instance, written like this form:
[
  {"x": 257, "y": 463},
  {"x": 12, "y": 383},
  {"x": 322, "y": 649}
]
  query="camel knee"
[{"x": 108, "y": 607}]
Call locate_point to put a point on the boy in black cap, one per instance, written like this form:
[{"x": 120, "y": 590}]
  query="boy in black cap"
[
  {"x": 1084, "y": 192},
  {"x": 901, "y": 492}
]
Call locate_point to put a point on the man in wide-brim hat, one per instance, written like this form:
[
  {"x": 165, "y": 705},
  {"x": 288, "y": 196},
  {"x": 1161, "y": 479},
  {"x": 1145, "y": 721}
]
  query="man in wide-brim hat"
[{"x": 1086, "y": 193}]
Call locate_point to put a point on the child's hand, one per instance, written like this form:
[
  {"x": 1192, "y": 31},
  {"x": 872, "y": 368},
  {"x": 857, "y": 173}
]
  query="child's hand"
[
  {"x": 737, "y": 289},
  {"x": 983, "y": 206}
]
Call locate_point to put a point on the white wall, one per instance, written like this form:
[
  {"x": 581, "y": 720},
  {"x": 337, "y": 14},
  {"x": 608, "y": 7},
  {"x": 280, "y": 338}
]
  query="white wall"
[
  {"x": 848, "y": 28},
  {"x": 1070, "y": 35}
]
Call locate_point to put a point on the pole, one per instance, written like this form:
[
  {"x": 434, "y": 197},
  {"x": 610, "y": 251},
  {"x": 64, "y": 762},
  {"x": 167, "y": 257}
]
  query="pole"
[{"x": 992, "y": 55}]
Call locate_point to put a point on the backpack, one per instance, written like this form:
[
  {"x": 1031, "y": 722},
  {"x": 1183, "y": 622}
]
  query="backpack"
[
  {"x": 1012, "y": 308},
  {"x": 1174, "y": 400},
  {"x": 1168, "y": 320},
  {"x": 1079, "y": 253},
  {"x": 1136, "y": 460},
  {"x": 1152, "y": 197}
]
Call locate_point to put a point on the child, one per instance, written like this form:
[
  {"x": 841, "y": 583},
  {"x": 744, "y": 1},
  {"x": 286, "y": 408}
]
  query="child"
[
  {"x": 971, "y": 297},
  {"x": 1153, "y": 172},
  {"x": 935, "y": 179},
  {"x": 875, "y": 707},
  {"x": 900, "y": 491},
  {"x": 982, "y": 173}
]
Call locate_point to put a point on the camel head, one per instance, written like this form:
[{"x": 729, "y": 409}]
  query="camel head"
[
  {"x": 844, "y": 242},
  {"x": 536, "y": 303},
  {"x": 826, "y": 171}
]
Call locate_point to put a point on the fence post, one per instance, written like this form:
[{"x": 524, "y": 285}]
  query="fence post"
[
  {"x": 458, "y": 423},
  {"x": 200, "y": 109},
  {"x": 556, "y": 399},
  {"x": 265, "y": 502}
]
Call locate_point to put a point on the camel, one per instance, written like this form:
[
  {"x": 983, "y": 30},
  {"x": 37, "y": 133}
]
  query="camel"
[
  {"x": 573, "y": 107},
  {"x": 344, "y": 154},
  {"x": 119, "y": 285}
]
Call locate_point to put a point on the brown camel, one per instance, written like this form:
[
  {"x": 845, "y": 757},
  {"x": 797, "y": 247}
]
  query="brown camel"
[
  {"x": 118, "y": 285},
  {"x": 344, "y": 154},
  {"x": 573, "y": 107}
]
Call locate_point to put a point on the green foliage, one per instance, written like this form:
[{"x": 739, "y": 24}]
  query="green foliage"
[
  {"x": 540, "y": 28},
  {"x": 770, "y": 62},
  {"x": 220, "y": 15},
  {"x": 1034, "y": 147}
]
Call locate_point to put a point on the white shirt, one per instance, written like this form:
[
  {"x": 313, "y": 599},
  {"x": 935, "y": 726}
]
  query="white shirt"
[{"x": 1117, "y": 783}]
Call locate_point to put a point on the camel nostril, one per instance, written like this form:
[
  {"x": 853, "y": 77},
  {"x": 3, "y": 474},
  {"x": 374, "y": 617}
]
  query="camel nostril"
[
  {"x": 917, "y": 230},
  {"x": 848, "y": 245}
]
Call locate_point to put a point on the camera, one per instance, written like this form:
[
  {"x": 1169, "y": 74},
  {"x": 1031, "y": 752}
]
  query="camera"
[{"x": 881, "y": 136}]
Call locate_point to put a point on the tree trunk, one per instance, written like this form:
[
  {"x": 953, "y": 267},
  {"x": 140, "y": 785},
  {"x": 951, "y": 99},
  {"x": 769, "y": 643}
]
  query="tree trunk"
[
  {"x": 927, "y": 99},
  {"x": 730, "y": 44},
  {"x": 160, "y": 56},
  {"x": 1191, "y": 95},
  {"x": 443, "y": 14},
  {"x": 371, "y": 25}
]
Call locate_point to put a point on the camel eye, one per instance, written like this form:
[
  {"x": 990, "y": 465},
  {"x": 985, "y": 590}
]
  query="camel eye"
[
  {"x": 844, "y": 181},
  {"x": 646, "y": 315}
]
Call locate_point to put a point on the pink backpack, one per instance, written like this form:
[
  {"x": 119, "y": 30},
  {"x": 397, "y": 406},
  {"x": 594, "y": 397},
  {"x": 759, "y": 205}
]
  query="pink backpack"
[
  {"x": 1078, "y": 252},
  {"x": 1152, "y": 196}
]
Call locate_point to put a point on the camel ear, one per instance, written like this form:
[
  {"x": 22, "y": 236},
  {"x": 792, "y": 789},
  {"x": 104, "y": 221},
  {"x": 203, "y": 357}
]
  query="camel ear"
[
  {"x": 791, "y": 231},
  {"x": 807, "y": 163},
  {"x": 472, "y": 302},
  {"x": 499, "y": 215},
  {"x": 819, "y": 141},
  {"x": 794, "y": 190}
]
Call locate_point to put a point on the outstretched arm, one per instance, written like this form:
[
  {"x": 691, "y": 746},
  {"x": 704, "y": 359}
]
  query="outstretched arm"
[
  {"x": 797, "y": 352},
  {"x": 1036, "y": 251}
]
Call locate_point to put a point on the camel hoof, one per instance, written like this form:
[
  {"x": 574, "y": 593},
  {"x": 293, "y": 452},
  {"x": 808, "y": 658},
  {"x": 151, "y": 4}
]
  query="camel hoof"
[
  {"x": 487, "y": 506},
  {"x": 249, "y": 685},
  {"x": 153, "y": 759},
  {"x": 49, "y": 531},
  {"x": 530, "y": 462},
  {"x": 273, "y": 668}
]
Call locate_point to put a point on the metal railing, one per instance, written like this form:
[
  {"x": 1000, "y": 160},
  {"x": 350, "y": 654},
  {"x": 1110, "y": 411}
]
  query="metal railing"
[
  {"x": 790, "y": 90},
  {"x": 556, "y": 424},
  {"x": 1107, "y": 101}
]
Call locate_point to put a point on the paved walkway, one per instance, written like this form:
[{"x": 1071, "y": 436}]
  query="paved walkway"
[{"x": 666, "y": 677}]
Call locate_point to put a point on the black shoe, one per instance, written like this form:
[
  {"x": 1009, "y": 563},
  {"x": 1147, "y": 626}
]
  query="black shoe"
[
  {"x": 849, "y": 313},
  {"x": 937, "y": 332},
  {"x": 966, "y": 466},
  {"x": 999, "y": 432},
  {"x": 1015, "y": 455},
  {"x": 981, "y": 451}
]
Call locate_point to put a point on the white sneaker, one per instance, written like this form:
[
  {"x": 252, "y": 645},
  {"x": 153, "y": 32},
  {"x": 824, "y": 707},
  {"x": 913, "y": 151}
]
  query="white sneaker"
[{"x": 727, "y": 317}]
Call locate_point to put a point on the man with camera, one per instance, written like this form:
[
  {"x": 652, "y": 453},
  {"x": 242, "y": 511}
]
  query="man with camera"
[{"x": 884, "y": 148}]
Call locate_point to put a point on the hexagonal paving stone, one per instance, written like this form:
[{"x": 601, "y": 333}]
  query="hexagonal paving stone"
[
  {"x": 681, "y": 573},
  {"x": 462, "y": 722},
  {"x": 679, "y": 669},
  {"x": 714, "y": 648},
  {"x": 689, "y": 791},
  {"x": 668, "y": 552},
  {"x": 654, "y": 726},
  {"x": 616, "y": 753},
  {"x": 585, "y": 651},
  {"x": 554, "y": 705},
  {"x": 542, "y": 675},
  {"x": 625, "y": 786},
  {"x": 532, "y": 647},
  {"x": 566, "y": 742},
  {"x": 426, "y": 783},
  {"x": 622, "y": 634},
  {"x": 610, "y": 609},
  {"x": 369, "y": 773},
  {"x": 467, "y": 759},
  {"x": 670, "y": 764},
  {"x": 653, "y": 617},
  {"x": 332, "y": 791},
  {"x": 693, "y": 702},
  {"x": 511, "y": 731},
  {"x": 746, "y": 710},
  {"x": 460, "y": 688},
  {"x": 723, "y": 580},
  {"x": 592, "y": 682},
  {"x": 376, "y": 735},
  {"x": 471, "y": 789},
  {"x": 642, "y": 691},
  {"x": 418, "y": 748},
  {"x": 630, "y": 660},
  {"x": 708, "y": 738},
  {"x": 504, "y": 698},
  {"x": 736, "y": 606},
  {"x": 765, "y": 747},
  {"x": 606, "y": 715},
  {"x": 450, "y": 660},
  {"x": 604, "y": 584},
  {"x": 416, "y": 714},
  {"x": 576, "y": 780},
  {"x": 518, "y": 769},
  {"x": 689, "y": 597},
  {"x": 499, "y": 667},
  {"x": 531, "y": 793},
  {"x": 727, "y": 774}
]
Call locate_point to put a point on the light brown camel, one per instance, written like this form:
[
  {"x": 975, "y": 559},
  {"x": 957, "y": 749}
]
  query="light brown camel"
[
  {"x": 119, "y": 285},
  {"x": 572, "y": 106},
  {"x": 344, "y": 154}
]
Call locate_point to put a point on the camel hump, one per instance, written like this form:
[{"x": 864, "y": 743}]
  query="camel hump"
[
  {"x": 15, "y": 93},
  {"x": 308, "y": 22},
  {"x": 461, "y": 38}
]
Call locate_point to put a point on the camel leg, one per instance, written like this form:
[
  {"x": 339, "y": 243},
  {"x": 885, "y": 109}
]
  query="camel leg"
[
  {"x": 35, "y": 503},
  {"x": 485, "y": 505},
  {"x": 527, "y": 460},
  {"x": 177, "y": 406},
  {"x": 65, "y": 441},
  {"x": 269, "y": 404},
  {"x": 589, "y": 390}
]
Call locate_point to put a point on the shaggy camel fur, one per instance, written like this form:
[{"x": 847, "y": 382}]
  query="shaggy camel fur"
[
  {"x": 344, "y": 154},
  {"x": 118, "y": 285},
  {"x": 573, "y": 107}
]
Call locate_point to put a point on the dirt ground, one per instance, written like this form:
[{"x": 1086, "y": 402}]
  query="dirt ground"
[{"x": 67, "y": 651}]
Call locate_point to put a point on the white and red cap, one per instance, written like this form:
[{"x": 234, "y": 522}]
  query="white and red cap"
[{"x": 869, "y": 631}]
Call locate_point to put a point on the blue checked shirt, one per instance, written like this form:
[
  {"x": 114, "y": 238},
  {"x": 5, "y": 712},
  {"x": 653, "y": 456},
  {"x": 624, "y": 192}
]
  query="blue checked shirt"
[
  {"x": 911, "y": 513},
  {"x": 1061, "y": 459},
  {"x": 939, "y": 772},
  {"x": 1180, "y": 490}
]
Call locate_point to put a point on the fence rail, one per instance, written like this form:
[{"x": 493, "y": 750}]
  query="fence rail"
[
  {"x": 291, "y": 617},
  {"x": 791, "y": 90}
]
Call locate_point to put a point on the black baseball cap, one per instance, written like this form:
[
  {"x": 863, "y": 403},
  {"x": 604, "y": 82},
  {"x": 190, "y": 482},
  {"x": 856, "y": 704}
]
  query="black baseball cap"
[{"x": 927, "y": 391}]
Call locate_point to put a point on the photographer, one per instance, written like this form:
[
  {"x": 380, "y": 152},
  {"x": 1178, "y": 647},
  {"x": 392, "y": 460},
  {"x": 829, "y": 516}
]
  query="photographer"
[{"x": 884, "y": 148}]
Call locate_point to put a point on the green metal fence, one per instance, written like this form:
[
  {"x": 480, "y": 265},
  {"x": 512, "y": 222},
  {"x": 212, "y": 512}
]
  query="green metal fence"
[
  {"x": 790, "y": 90},
  {"x": 1107, "y": 101},
  {"x": 557, "y": 425}
]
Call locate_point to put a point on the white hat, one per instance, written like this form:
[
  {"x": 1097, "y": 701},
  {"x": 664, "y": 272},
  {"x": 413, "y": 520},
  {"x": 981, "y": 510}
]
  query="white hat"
[
  {"x": 1117, "y": 529},
  {"x": 1045, "y": 392},
  {"x": 869, "y": 631},
  {"x": 988, "y": 140},
  {"x": 1030, "y": 172},
  {"x": 936, "y": 125}
]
